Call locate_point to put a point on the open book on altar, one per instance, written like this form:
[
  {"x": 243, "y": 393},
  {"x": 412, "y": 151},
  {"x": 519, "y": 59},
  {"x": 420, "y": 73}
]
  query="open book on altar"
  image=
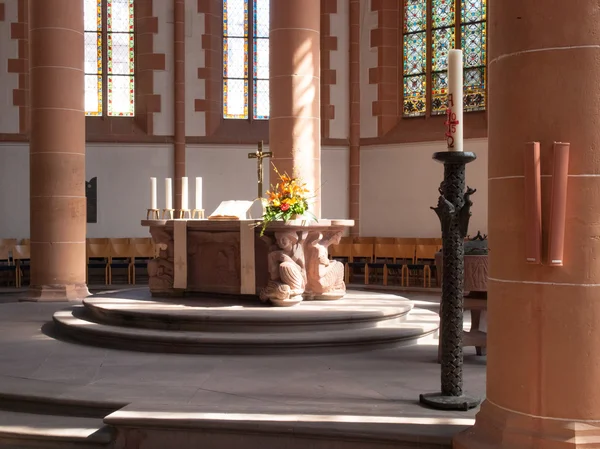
[{"x": 231, "y": 210}]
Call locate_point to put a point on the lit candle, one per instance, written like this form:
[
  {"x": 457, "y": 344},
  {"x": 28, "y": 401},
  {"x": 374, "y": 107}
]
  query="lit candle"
[
  {"x": 184, "y": 193},
  {"x": 454, "y": 113},
  {"x": 153, "y": 201},
  {"x": 199, "y": 193},
  {"x": 169, "y": 193}
]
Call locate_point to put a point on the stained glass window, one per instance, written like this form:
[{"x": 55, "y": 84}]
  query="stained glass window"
[
  {"x": 473, "y": 34},
  {"x": 431, "y": 29},
  {"x": 109, "y": 57},
  {"x": 246, "y": 75},
  {"x": 415, "y": 57}
]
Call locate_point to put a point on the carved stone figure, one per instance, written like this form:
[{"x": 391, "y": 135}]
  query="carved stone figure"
[
  {"x": 325, "y": 276},
  {"x": 286, "y": 270},
  {"x": 160, "y": 270}
]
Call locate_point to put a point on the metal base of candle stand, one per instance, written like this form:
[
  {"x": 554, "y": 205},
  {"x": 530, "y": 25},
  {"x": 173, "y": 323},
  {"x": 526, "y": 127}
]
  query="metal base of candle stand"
[{"x": 453, "y": 210}]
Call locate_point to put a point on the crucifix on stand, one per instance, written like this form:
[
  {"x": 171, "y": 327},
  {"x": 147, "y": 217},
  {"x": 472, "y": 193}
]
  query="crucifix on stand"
[{"x": 259, "y": 156}]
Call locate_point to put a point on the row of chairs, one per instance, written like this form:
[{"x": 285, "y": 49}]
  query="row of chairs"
[
  {"x": 404, "y": 259},
  {"x": 104, "y": 253}
]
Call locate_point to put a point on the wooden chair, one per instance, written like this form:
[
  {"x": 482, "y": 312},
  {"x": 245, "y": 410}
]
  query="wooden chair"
[
  {"x": 6, "y": 262},
  {"x": 383, "y": 254},
  {"x": 143, "y": 251},
  {"x": 361, "y": 254},
  {"x": 98, "y": 255},
  {"x": 364, "y": 240},
  {"x": 424, "y": 259},
  {"x": 21, "y": 256},
  {"x": 121, "y": 255}
]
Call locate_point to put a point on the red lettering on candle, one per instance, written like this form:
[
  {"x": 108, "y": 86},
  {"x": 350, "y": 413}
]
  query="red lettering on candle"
[
  {"x": 451, "y": 123},
  {"x": 450, "y": 100}
]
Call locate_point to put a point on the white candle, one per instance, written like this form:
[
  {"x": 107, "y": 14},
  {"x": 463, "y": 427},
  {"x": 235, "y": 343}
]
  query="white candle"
[
  {"x": 184, "y": 193},
  {"x": 169, "y": 193},
  {"x": 454, "y": 118},
  {"x": 153, "y": 200},
  {"x": 199, "y": 193}
]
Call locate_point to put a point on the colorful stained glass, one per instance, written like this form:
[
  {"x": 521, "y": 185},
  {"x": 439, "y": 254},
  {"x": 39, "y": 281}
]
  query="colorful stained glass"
[
  {"x": 414, "y": 96},
  {"x": 235, "y": 98},
  {"x": 92, "y": 18},
  {"x": 121, "y": 95},
  {"x": 415, "y": 12},
  {"x": 473, "y": 38},
  {"x": 261, "y": 99},
  {"x": 474, "y": 91},
  {"x": 260, "y": 61},
  {"x": 261, "y": 17},
  {"x": 235, "y": 59},
  {"x": 442, "y": 42},
  {"x": 473, "y": 10},
  {"x": 119, "y": 16},
  {"x": 442, "y": 13},
  {"x": 415, "y": 53},
  {"x": 120, "y": 57},
  {"x": 439, "y": 93}
]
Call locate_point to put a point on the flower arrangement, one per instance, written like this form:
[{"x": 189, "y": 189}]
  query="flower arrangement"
[{"x": 285, "y": 200}]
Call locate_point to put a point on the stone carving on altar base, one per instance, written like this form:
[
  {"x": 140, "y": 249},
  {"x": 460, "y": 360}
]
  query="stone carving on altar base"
[
  {"x": 299, "y": 268},
  {"x": 160, "y": 269}
]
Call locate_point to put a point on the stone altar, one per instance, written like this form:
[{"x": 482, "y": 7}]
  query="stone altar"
[{"x": 288, "y": 264}]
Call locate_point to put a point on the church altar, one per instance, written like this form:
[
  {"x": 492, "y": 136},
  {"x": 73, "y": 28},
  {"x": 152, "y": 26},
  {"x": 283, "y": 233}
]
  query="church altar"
[{"x": 287, "y": 264}]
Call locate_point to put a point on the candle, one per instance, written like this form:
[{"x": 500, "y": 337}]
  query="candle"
[
  {"x": 184, "y": 193},
  {"x": 169, "y": 193},
  {"x": 454, "y": 113},
  {"x": 199, "y": 193},
  {"x": 153, "y": 201}
]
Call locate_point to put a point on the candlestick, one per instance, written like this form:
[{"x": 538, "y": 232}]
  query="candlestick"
[
  {"x": 184, "y": 193},
  {"x": 169, "y": 193},
  {"x": 153, "y": 200},
  {"x": 198, "y": 193},
  {"x": 454, "y": 113}
]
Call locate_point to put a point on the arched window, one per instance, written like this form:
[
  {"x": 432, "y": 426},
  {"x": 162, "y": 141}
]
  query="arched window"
[
  {"x": 109, "y": 57},
  {"x": 430, "y": 29},
  {"x": 246, "y": 59}
]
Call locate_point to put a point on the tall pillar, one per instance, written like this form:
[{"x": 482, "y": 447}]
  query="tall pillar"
[
  {"x": 544, "y": 332},
  {"x": 295, "y": 91},
  {"x": 57, "y": 151},
  {"x": 354, "y": 111},
  {"x": 179, "y": 95}
]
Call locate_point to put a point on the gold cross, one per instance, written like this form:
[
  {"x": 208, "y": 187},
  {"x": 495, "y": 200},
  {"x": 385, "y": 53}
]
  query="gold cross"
[{"x": 259, "y": 156}]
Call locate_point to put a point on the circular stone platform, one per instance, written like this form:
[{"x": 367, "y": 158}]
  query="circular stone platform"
[{"x": 134, "y": 320}]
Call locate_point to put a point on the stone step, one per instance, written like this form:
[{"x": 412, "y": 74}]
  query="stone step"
[
  {"x": 418, "y": 324},
  {"x": 358, "y": 311},
  {"x": 26, "y": 430}
]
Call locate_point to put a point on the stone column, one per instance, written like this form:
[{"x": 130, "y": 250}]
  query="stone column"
[
  {"x": 354, "y": 111},
  {"x": 544, "y": 332},
  {"x": 295, "y": 93},
  {"x": 179, "y": 95},
  {"x": 57, "y": 151}
]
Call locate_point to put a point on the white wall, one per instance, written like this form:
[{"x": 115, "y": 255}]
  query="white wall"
[
  {"x": 339, "y": 61},
  {"x": 9, "y": 114},
  {"x": 368, "y": 60},
  {"x": 124, "y": 173},
  {"x": 163, "y": 80},
  {"x": 399, "y": 184},
  {"x": 195, "y": 122},
  {"x": 14, "y": 190},
  {"x": 228, "y": 174}
]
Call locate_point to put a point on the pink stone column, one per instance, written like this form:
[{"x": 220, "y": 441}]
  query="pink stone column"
[
  {"x": 354, "y": 66},
  {"x": 295, "y": 120},
  {"x": 179, "y": 95},
  {"x": 544, "y": 322},
  {"x": 57, "y": 151}
]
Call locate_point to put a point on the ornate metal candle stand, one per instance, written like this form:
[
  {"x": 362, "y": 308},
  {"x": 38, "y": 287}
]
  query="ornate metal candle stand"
[{"x": 454, "y": 211}]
